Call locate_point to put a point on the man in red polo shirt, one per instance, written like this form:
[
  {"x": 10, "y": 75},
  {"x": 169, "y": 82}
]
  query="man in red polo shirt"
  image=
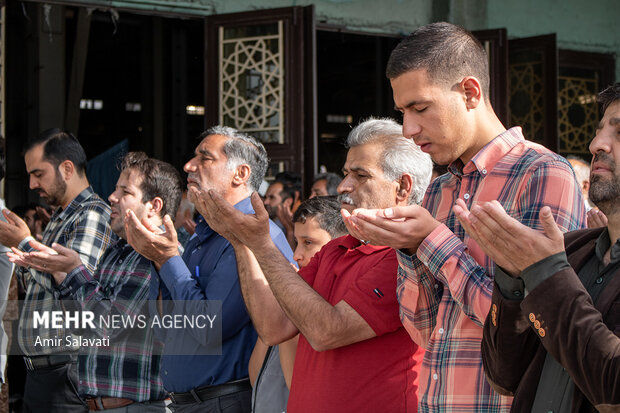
[{"x": 353, "y": 353}]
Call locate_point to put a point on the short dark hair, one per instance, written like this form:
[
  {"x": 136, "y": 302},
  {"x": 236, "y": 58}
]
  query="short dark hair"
[
  {"x": 289, "y": 178},
  {"x": 447, "y": 52},
  {"x": 326, "y": 210},
  {"x": 159, "y": 179},
  {"x": 288, "y": 191},
  {"x": 608, "y": 96},
  {"x": 332, "y": 181},
  {"x": 60, "y": 146}
]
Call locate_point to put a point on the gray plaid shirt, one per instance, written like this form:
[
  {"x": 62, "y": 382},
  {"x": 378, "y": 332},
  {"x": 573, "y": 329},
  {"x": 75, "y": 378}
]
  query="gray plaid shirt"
[{"x": 84, "y": 226}]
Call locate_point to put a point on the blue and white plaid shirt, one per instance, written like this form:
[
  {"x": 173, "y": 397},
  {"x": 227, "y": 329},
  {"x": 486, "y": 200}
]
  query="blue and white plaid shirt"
[{"x": 83, "y": 226}]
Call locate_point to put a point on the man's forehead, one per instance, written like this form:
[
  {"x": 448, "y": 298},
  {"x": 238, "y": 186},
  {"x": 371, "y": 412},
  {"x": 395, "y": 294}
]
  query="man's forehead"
[
  {"x": 612, "y": 113},
  {"x": 275, "y": 187},
  {"x": 211, "y": 143},
  {"x": 35, "y": 156},
  {"x": 130, "y": 177},
  {"x": 364, "y": 156}
]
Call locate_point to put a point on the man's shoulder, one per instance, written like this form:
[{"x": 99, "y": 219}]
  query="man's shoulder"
[
  {"x": 575, "y": 240},
  {"x": 528, "y": 154},
  {"x": 89, "y": 202}
]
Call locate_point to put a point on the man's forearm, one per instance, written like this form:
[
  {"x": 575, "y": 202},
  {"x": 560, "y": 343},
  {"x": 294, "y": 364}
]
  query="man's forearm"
[
  {"x": 324, "y": 326},
  {"x": 270, "y": 321}
]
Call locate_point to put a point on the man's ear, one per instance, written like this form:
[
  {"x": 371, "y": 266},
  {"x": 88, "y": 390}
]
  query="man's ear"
[
  {"x": 472, "y": 90},
  {"x": 288, "y": 203},
  {"x": 157, "y": 204},
  {"x": 585, "y": 185},
  {"x": 242, "y": 174},
  {"x": 66, "y": 169},
  {"x": 405, "y": 186}
]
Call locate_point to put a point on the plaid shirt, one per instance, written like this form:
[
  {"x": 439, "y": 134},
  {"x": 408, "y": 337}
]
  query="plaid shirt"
[
  {"x": 445, "y": 289},
  {"x": 82, "y": 226},
  {"x": 129, "y": 366}
]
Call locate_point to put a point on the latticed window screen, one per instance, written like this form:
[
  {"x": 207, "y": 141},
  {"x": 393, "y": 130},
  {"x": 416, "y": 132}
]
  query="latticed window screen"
[
  {"x": 577, "y": 109},
  {"x": 527, "y": 96},
  {"x": 251, "y": 83}
]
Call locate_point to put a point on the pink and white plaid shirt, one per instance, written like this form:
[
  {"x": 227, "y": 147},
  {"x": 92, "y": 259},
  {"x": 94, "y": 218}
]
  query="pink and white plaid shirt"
[{"x": 445, "y": 289}]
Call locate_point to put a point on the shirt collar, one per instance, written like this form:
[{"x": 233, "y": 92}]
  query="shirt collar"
[
  {"x": 484, "y": 161},
  {"x": 602, "y": 245},
  {"x": 204, "y": 231},
  {"x": 63, "y": 214},
  {"x": 352, "y": 243}
]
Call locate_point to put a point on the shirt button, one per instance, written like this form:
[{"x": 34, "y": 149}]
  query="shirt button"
[
  {"x": 435, "y": 376},
  {"x": 166, "y": 372},
  {"x": 599, "y": 280},
  {"x": 517, "y": 293},
  {"x": 441, "y": 331},
  {"x": 436, "y": 286},
  {"x": 484, "y": 172},
  {"x": 466, "y": 196}
]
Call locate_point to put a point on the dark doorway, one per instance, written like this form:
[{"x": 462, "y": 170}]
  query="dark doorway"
[
  {"x": 143, "y": 82},
  {"x": 351, "y": 86}
]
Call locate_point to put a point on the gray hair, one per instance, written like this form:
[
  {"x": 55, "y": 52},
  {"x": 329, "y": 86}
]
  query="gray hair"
[
  {"x": 581, "y": 168},
  {"x": 242, "y": 149},
  {"x": 400, "y": 155}
]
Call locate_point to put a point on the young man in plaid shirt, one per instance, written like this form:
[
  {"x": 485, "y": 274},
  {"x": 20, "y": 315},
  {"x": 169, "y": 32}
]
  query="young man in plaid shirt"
[
  {"x": 440, "y": 79},
  {"x": 56, "y": 164},
  {"x": 115, "y": 374}
]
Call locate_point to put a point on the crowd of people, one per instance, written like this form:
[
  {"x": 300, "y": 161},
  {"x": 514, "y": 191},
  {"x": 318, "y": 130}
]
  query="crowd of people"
[{"x": 448, "y": 270}]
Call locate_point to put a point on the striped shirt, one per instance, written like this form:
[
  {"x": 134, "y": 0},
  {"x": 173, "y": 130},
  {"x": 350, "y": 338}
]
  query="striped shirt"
[
  {"x": 445, "y": 289},
  {"x": 128, "y": 366},
  {"x": 82, "y": 226}
]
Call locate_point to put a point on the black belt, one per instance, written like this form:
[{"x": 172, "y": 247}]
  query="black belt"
[
  {"x": 210, "y": 392},
  {"x": 42, "y": 362}
]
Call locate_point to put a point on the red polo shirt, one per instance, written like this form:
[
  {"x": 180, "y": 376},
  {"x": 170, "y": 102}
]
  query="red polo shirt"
[{"x": 379, "y": 374}]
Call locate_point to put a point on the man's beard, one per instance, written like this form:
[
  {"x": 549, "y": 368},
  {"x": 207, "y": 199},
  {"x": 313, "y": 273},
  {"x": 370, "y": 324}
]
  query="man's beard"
[
  {"x": 57, "y": 191},
  {"x": 272, "y": 211},
  {"x": 605, "y": 192}
]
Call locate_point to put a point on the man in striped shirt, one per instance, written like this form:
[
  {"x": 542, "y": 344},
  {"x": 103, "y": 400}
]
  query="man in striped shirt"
[
  {"x": 123, "y": 370},
  {"x": 440, "y": 79},
  {"x": 56, "y": 164}
]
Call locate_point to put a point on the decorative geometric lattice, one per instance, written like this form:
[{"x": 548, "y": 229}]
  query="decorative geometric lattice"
[
  {"x": 252, "y": 85},
  {"x": 527, "y": 99},
  {"x": 577, "y": 110}
]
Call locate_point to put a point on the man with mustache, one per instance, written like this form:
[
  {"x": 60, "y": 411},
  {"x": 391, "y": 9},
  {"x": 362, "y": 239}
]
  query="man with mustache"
[
  {"x": 353, "y": 353},
  {"x": 198, "y": 378},
  {"x": 56, "y": 164},
  {"x": 440, "y": 80},
  {"x": 552, "y": 336}
]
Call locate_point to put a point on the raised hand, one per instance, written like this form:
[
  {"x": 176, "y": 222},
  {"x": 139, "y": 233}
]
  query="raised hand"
[
  {"x": 14, "y": 230},
  {"x": 512, "y": 245},
  {"x": 149, "y": 241},
  {"x": 403, "y": 227},
  {"x": 249, "y": 229}
]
